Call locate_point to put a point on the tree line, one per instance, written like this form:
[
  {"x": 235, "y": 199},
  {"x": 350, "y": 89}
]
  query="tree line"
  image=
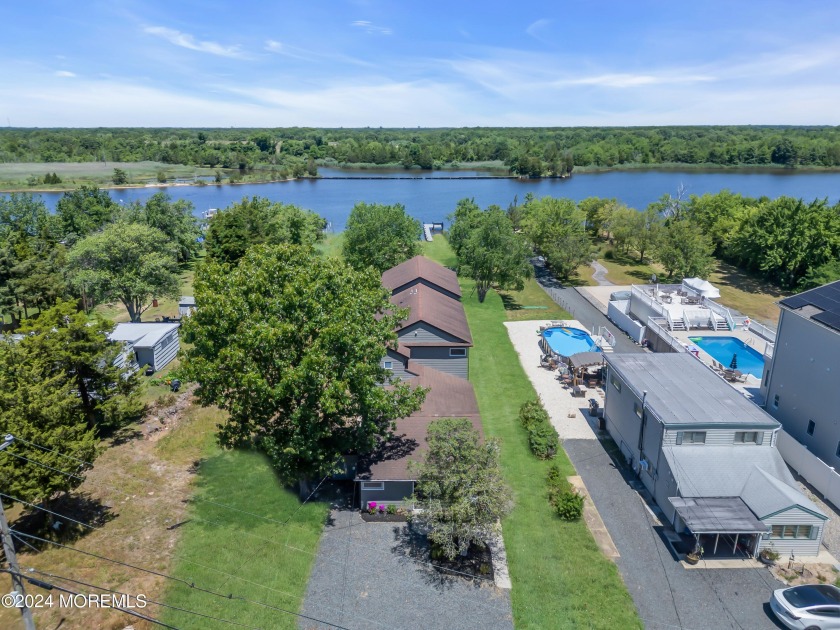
[{"x": 529, "y": 151}]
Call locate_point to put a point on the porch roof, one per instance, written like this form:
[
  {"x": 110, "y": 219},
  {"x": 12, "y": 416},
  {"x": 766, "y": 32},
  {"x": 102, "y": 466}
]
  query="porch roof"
[{"x": 717, "y": 515}]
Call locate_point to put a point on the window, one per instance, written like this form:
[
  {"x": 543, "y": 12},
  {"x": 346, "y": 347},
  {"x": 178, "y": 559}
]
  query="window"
[
  {"x": 694, "y": 437},
  {"x": 457, "y": 352},
  {"x": 616, "y": 383},
  {"x": 637, "y": 408},
  {"x": 746, "y": 437},
  {"x": 792, "y": 531},
  {"x": 825, "y": 611},
  {"x": 776, "y": 401},
  {"x": 388, "y": 365},
  {"x": 837, "y": 452},
  {"x": 766, "y": 378},
  {"x": 373, "y": 485},
  {"x": 811, "y": 426}
]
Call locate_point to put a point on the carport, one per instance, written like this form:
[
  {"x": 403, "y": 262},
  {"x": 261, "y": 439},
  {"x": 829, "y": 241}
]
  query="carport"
[{"x": 720, "y": 516}]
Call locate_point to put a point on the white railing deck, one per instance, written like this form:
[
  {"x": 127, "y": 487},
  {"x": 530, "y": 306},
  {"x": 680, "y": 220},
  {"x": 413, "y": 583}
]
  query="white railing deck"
[{"x": 666, "y": 335}]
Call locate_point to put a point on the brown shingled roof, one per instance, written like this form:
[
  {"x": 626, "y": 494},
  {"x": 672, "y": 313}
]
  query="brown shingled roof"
[
  {"x": 421, "y": 267},
  {"x": 448, "y": 397},
  {"x": 434, "y": 308}
]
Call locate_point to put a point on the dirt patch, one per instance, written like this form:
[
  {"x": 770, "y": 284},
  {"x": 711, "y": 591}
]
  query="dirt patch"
[
  {"x": 797, "y": 573},
  {"x": 135, "y": 496}
]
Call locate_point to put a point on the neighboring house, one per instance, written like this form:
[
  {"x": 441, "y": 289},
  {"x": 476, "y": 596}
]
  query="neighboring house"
[
  {"x": 384, "y": 476},
  {"x": 436, "y": 332},
  {"x": 800, "y": 384},
  {"x": 421, "y": 270},
  {"x": 151, "y": 344},
  {"x": 186, "y": 306},
  {"x": 707, "y": 455}
]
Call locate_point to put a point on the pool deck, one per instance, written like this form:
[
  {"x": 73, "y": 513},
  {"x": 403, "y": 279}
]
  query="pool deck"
[{"x": 751, "y": 387}]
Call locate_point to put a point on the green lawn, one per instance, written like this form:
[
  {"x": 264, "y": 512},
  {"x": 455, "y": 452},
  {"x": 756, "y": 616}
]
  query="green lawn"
[
  {"x": 331, "y": 245},
  {"x": 560, "y": 577},
  {"x": 272, "y": 562}
]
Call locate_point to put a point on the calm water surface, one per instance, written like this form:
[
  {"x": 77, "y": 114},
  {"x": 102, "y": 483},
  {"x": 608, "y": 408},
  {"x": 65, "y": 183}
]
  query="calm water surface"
[{"x": 433, "y": 199}]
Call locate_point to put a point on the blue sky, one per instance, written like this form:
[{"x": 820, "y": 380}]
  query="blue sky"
[{"x": 397, "y": 64}]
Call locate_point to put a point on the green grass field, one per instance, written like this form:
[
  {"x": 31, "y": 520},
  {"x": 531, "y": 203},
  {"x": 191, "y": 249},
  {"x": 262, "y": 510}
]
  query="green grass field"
[
  {"x": 560, "y": 577},
  {"x": 271, "y": 562}
]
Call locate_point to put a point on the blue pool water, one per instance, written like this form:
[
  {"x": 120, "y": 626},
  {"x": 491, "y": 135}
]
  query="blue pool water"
[
  {"x": 721, "y": 349},
  {"x": 569, "y": 341}
]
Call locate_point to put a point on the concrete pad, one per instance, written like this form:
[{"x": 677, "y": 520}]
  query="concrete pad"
[
  {"x": 501, "y": 575},
  {"x": 569, "y": 415},
  {"x": 594, "y": 522},
  {"x": 599, "y": 297},
  {"x": 733, "y": 563}
]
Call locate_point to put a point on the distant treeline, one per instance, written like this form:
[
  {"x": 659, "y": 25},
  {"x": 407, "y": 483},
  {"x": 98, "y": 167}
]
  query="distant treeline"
[{"x": 531, "y": 151}]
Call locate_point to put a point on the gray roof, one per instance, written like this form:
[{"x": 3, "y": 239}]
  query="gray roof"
[
  {"x": 821, "y": 304},
  {"x": 730, "y": 471},
  {"x": 767, "y": 495},
  {"x": 141, "y": 335},
  {"x": 717, "y": 515},
  {"x": 683, "y": 391}
]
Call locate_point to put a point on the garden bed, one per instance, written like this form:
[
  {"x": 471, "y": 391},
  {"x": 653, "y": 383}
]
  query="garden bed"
[{"x": 367, "y": 517}]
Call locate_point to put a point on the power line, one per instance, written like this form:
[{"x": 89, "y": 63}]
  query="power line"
[
  {"x": 149, "y": 601},
  {"x": 47, "y": 586},
  {"x": 192, "y": 585}
]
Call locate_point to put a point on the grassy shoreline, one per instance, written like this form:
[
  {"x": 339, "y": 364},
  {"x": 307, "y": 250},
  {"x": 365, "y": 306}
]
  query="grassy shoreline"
[{"x": 560, "y": 577}]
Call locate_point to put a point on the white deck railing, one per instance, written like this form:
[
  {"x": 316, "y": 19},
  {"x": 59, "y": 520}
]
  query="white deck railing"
[
  {"x": 642, "y": 295},
  {"x": 720, "y": 310},
  {"x": 665, "y": 335},
  {"x": 762, "y": 331}
]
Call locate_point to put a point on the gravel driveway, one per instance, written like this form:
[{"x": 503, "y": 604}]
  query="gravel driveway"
[{"x": 372, "y": 575}]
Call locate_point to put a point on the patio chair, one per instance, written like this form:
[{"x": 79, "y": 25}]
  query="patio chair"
[{"x": 740, "y": 376}]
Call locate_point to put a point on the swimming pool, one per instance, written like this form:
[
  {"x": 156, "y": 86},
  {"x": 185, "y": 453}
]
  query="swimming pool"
[
  {"x": 721, "y": 349},
  {"x": 568, "y": 341}
]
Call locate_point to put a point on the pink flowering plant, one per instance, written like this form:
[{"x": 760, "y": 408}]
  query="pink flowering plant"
[{"x": 372, "y": 507}]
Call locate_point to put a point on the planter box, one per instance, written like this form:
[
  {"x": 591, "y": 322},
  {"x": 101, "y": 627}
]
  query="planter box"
[{"x": 367, "y": 517}]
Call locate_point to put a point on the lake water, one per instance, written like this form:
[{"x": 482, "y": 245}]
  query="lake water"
[{"x": 433, "y": 199}]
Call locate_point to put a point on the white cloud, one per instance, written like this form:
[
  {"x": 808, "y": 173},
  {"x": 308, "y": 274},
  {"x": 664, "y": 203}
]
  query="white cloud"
[
  {"x": 185, "y": 40},
  {"x": 627, "y": 80},
  {"x": 371, "y": 28},
  {"x": 64, "y": 73},
  {"x": 535, "y": 28}
]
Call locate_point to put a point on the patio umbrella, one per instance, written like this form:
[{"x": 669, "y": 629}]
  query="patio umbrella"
[{"x": 733, "y": 364}]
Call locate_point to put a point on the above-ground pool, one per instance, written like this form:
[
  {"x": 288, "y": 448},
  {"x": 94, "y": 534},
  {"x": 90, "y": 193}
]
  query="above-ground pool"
[
  {"x": 568, "y": 341},
  {"x": 722, "y": 349}
]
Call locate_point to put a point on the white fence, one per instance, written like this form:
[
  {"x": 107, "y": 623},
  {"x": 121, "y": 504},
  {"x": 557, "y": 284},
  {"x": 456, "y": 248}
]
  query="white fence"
[
  {"x": 815, "y": 471},
  {"x": 616, "y": 313},
  {"x": 665, "y": 335},
  {"x": 763, "y": 331}
]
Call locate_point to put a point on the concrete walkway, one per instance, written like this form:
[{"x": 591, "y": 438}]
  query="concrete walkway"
[
  {"x": 568, "y": 415},
  {"x": 600, "y": 274}
]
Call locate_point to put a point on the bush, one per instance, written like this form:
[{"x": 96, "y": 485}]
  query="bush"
[
  {"x": 569, "y": 505},
  {"x": 392, "y": 509},
  {"x": 543, "y": 440},
  {"x": 609, "y": 255}
]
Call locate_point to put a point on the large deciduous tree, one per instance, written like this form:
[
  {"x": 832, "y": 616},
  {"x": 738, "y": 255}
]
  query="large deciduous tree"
[
  {"x": 83, "y": 211},
  {"x": 380, "y": 236},
  {"x": 684, "y": 250},
  {"x": 493, "y": 255},
  {"x": 129, "y": 262},
  {"x": 459, "y": 486},
  {"x": 290, "y": 344},
  {"x": 173, "y": 218},
  {"x": 556, "y": 227},
  {"x": 462, "y": 221},
  {"x": 258, "y": 221}
]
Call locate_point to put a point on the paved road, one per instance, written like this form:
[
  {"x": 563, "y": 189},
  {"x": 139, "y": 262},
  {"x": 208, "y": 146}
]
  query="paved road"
[
  {"x": 581, "y": 309},
  {"x": 367, "y": 577}
]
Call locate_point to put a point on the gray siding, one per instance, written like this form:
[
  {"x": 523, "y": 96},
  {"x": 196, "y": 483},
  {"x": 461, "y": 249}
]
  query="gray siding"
[
  {"x": 718, "y": 437},
  {"x": 798, "y": 546},
  {"x": 397, "y": 364},
  {"x": 804, "y": 374},
  {"x": 166, "y": 349},
  {"x": 622, "y": 422},
  {"x": 394, "y": 492},
  {"x": 666, "y": 487},
  {"x": 438, "y": 358},
  {"x": 421, "y": 332}
]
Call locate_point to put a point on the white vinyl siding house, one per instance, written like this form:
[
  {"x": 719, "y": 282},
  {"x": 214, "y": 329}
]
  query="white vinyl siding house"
[{"x": 152, "y": 344}]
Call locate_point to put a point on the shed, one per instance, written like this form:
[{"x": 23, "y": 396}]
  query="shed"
[
  {"x": 186, "y": 305},
  {"x": 153, "y": 344}
]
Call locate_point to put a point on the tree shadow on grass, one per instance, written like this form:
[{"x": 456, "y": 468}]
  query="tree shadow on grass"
[
  {"x": 59, "y": 527},
  {"x": 510, "y": 302},
  {"x": 730, "y": 275}
]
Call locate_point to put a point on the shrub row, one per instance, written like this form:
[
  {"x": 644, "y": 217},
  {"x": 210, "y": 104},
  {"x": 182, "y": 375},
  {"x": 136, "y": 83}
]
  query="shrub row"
[
  {"x": 542, "y": 437},
  {"x": 567, "y": 503}
]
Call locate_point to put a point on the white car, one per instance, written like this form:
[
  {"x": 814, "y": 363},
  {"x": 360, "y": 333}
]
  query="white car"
[{"x": 808, "y": 607}]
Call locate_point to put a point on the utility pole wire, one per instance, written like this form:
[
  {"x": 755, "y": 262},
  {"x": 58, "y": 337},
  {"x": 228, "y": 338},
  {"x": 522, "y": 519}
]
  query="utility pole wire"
[
  {"x": 11, "y": 556},
  {"x": 47, "y": 586},
  {"x": 192, "y": 585}
]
